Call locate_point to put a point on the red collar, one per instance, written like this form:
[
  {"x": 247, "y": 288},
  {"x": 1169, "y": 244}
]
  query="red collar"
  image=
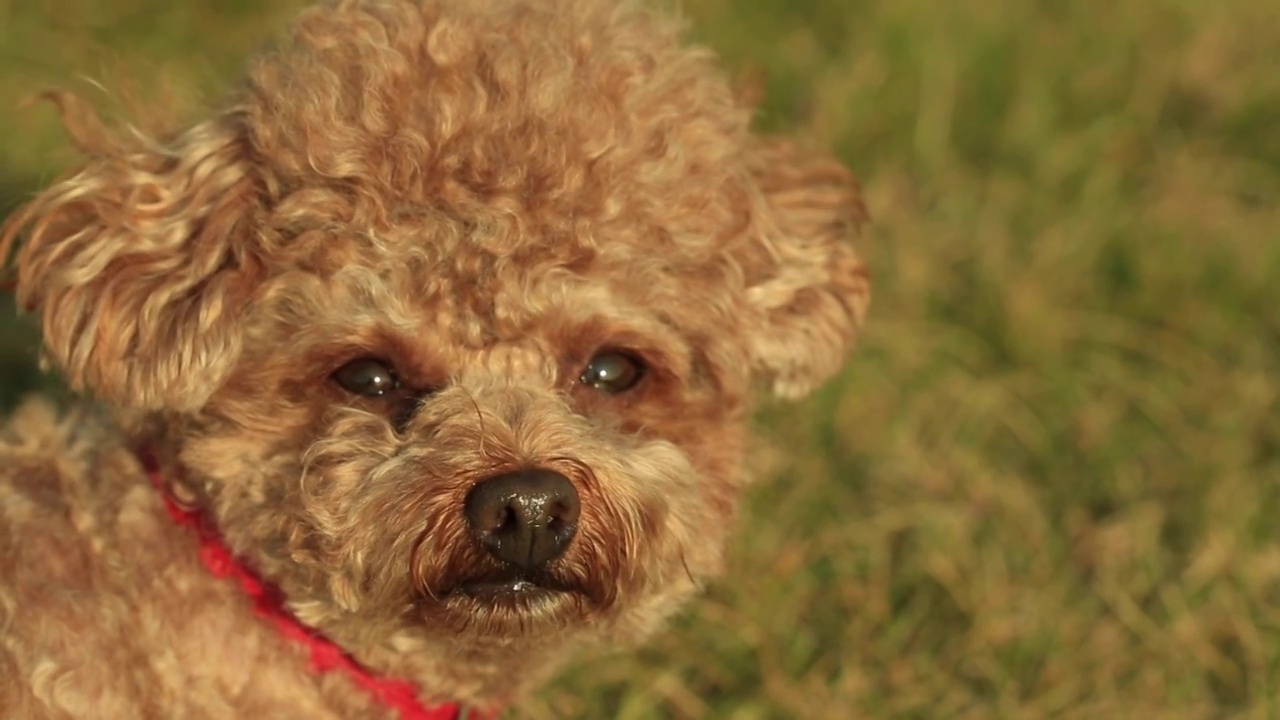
[{"x": 326, "y": 656}]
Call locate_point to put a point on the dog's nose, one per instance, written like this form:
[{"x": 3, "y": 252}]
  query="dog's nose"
[{"x": 525, "y": 518}]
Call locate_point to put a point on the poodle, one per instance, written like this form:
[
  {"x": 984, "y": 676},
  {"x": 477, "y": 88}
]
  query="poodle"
[{"x": 420, "y": 365}]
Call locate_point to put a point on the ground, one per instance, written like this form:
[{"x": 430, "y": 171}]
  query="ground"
[{"x": 1047, "y": 484}]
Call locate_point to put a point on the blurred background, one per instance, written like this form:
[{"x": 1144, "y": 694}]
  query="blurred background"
[{"x": 1048, "y": 485}]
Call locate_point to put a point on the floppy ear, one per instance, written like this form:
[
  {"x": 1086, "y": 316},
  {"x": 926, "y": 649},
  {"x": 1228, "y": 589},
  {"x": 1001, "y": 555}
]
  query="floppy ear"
[
  {"x": 807, "y": 289},
  {"x": 138, "y": 262}
]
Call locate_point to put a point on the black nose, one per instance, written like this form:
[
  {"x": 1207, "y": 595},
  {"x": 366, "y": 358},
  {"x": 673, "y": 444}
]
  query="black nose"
[{"x": 524, "y": 518}]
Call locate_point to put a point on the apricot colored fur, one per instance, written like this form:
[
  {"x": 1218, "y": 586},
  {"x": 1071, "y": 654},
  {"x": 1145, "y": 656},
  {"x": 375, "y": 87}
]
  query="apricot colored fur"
[{"x": 484, "y": 193}]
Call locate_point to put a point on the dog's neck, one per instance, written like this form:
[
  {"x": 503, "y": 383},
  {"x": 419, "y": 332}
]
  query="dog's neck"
[{"x": 325, "y": 655}]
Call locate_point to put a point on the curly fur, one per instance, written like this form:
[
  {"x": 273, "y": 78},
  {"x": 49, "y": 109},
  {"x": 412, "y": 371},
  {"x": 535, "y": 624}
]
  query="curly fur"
[{"x": 485, "y": 193}]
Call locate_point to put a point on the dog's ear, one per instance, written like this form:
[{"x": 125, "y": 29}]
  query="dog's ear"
[
  {"x": 139, "y": 262},
  {"x": 807, "y": 288}
]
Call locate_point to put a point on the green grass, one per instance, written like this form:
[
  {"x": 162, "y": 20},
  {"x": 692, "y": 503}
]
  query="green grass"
[{"x": 1048, "y": 485}]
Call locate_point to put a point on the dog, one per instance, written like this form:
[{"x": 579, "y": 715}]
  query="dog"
[{"x": 421, "y": 365}]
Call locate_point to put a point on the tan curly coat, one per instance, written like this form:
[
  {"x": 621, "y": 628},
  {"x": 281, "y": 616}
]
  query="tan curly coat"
[{"x": 483, "y": 194}]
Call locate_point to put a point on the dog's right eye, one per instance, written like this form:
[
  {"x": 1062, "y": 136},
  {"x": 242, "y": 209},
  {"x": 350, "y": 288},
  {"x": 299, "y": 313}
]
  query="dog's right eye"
[
  {"x": 367, "y": 377},
  {"x": 612, "y": 372}
]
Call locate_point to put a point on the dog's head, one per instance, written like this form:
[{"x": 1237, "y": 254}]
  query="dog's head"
[{"x": 452, "y": 317}]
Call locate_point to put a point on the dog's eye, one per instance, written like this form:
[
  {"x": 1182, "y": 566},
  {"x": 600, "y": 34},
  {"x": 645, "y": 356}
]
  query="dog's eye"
[
  {"x": 366, "y": 376},
  {"x": 612, "y": 372}
]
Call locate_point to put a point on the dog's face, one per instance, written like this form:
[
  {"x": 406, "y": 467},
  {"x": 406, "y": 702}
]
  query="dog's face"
[
  {"x": 465, "y": 442},
  {"x": 452, "y": 318}
]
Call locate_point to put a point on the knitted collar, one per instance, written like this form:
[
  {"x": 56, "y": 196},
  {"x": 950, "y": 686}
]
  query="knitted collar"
[{"x": 268, "y": 604}]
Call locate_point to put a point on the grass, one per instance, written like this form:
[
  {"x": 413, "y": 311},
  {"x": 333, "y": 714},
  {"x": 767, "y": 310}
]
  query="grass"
[{"x": 1048, "y": 484}]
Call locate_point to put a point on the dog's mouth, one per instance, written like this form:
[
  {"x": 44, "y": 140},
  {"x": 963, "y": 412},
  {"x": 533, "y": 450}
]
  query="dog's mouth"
[
  {"x": 478, "y": 590},
  {"x": 510, "y": 587},
  {"x": 506, "y": 605}
]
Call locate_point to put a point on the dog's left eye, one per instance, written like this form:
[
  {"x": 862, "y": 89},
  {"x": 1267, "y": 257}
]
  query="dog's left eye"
[
  {"x": 612, "y": 372},
  {"x": 366, "y": 376}
]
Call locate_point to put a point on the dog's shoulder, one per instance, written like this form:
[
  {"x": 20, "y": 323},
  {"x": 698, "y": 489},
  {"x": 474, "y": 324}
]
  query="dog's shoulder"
[
  {"x": 53, "y": 460},
  {"x": 105, "y": 608},
  {"x": 67, "y": 481},
  {"x": 62, "y": 478}
]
